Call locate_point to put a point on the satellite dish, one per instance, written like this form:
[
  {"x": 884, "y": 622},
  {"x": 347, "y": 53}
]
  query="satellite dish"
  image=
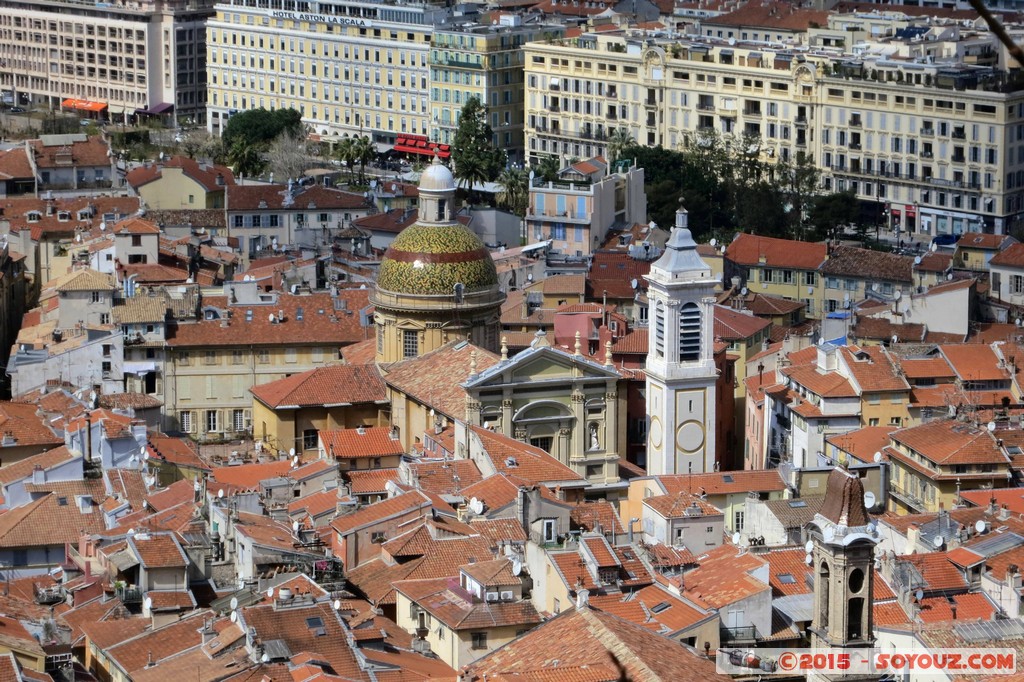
[
  {"x": 234, "y": 617},
  {"x": 196, "y": 486},
  {"x": 877, "y": 457},
  {"x": 394, "y": 187},
  {"x": 917, "y": 260},
  {"x": 517, "y": 565},
  {"x": 869, "y": 499},
  {"x": 337, "y": 605},
  {"x": 147, "y": 603},
  {"x": 808, "y": 559},
  {"x": 103, "y": 226},
  {"x": 919, "y": 595},
  {"x": 949, "y": 277},
  {"x": 937, "y": 541},
  {"x": 265, "y": 658},
  {"x": 270, "y": 593},
  {"x": 291, "y": 452},
  {"x": 809, "y": 546},
  {"x": 531, "y": 175},
  {"x": 476, "y": 506},
  {"x": 1019, "y": 322},
  {"x": 295, "y": 526},
  {"x": 743, "y": 291},
  {"x": 145, "y": 455},
  {"x": 234, "y": 603},
  {"x": 634, "y": 283},
  {"x": 991, "y": 427},
  {"x": 220, "y": 494},
  {"x": 270, "y": 318},
  {"x": 935, "y": 247},
  {"x": 735, "y": 538},
  {"x": 713, "y": 242},
  {"x": 897, "y": 294},
  {"x": 295, "y": 460}
]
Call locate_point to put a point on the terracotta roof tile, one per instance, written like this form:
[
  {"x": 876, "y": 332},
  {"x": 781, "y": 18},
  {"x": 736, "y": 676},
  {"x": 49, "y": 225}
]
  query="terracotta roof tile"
[
  {"x": 681, "y": 504},
  {"x": 748, "y": 249},
  {"x": 563, "y": 285},
  {"x": 862, "y": 443},
  {"x": 1012, "y": 256},
  {"x": 794, "y": 513},
  {"x": 158, "y": 550},
  {"x": 174, "y": 494},
  {"x": 779, "y": 15},
  {"x": 927, "y": 368},
  {"x": 851, "y": 261},
  {"x": 949, "y": 442},
  {"x": 598, "y": 516},
  {"x": 368, "y": 482},
  {"x": 498, "y": 531},
  {"x": 205, "y": 175},
  {"x": 633, "y": 343},
  {"x": 271, "y": 197},
  {"x": 394, "y": 221},
  {"x": 46, "y": 522},
  {"x": 373, "y": 513},
  {"x": 523, "y": 461},
  {"x": 937, "y": 570},
  {"x": 248, "y": 476},
  {"x": 331, "y": 326},
  {"x": 443, "y": 599},
  {"x": 972, "y": 606},
  {"x": 434, "y": 378},
  {"x": 580, "y": 639},
  {"x": 373, "y": 441},
  {"x": 824, "y": 384},
  {"x": 652, "y": 607},
  {"x": 724, "y": 483},
  {"x": 731, "y": 325},
  {"x": 974, "y": 362},
  {"x": 890, "y": 613},
  {"x": 22, "y": 469},
  {"x": 881, "y": 329},
  {"x": 444, "y": 477},
  {"x": 179, "y": 451},
  {"x": 788, "y": 572},
  {"x": 873, "y": 369},
  {"x": 14, "y": 165}
]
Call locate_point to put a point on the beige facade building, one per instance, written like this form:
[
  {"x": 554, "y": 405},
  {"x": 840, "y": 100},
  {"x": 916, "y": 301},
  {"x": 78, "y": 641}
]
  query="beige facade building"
[
  {"x": 106, "y": 59},
  {"x": 928, "y": 146},
  {"x": 350, "y": 68}
]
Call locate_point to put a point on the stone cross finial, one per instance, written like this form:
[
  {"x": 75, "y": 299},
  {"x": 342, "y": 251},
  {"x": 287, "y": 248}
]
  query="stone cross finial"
[
  {"x": 504, "y": 348},
  {"x": 578, "y": 345}
]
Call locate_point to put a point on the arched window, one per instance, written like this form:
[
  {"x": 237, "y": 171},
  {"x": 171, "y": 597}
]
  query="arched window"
[
  {"x": 689, "y": 332},
  {"x": 659, "y": 329}
]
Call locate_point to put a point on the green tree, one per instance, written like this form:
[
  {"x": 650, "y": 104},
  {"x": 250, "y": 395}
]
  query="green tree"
[
  {"x": 474, "y": 156},
  {"x": 618, "y": 142},
  {"x": 345, "y": 152},
  {"x": 246, "y": 158},
  {"x": 515, "y": 190},
  {"x": 799, "y": 181},
  {"x": 548, "y": 168},
  {"x": 261, "y": 126},
  {"x": 363, "y": 151},
  {"x": 830, "y": 212}
]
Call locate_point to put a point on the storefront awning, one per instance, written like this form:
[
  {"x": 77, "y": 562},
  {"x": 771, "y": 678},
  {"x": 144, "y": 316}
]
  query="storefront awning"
[
  {"x": 417, "y": 145},
  {"x": 156, "y": 109},
  {"x": 83, "y": 105}
]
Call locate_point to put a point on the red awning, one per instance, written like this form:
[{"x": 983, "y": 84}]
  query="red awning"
[
  {"x": 83, "y": 105},
  {"x": 423, "y": 148}
]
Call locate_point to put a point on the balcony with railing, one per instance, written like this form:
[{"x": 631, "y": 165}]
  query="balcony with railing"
[
  {"x": 49, "y": 595},
  {"x": 739, "y": 635},
  {"x": 129, "y": 594}
]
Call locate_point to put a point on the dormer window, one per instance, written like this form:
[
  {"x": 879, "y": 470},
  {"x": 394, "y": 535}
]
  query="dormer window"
[
  {"x": 211, "y": 314},
  {"x": 84, "y": 214},
  {"x": 33, "y": 216},
  {"x": 63, "y": 216}
]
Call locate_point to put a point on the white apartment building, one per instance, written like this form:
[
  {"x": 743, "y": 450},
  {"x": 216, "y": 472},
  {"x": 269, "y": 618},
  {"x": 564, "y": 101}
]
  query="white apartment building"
[
  {"x": 937, "y": 148},
  {"x": 351, "y": 68},
  {"x": 108, "y": 59}
]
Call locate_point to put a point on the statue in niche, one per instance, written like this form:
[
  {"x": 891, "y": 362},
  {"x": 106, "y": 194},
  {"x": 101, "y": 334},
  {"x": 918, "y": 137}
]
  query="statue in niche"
[{"x": 595, "y": 444}]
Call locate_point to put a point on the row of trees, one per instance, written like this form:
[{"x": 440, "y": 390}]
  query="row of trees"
[{"x": 727, "y": 186}]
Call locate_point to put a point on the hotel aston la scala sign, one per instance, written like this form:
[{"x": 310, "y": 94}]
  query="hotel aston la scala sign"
[{"x": 321, "y": 18}]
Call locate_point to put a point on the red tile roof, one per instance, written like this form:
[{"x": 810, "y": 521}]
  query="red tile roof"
[
  {"x": 444, "y": 477},
  {"x": 523, "y": 461},
  {"x": 948, "y": 442},
  {"x": 873, "y": 370},
  {"x": 827, "y": 385},
  {"x": 271, "y": 197},
  {"x": 205, "y": 175},
  {"x": 1012, "y": 256},
  {"x": 247, "y": 476},
  {"x": 851, "y": 261},
  {"x": 443, "y": 599},
  {"x": 47, "y": 522},
  {"x": 652, "y": 607},
  {"x": 598, "y": 516},
  {"x": 748, "y": 249},
  {"x": 322, "y": 322},
  {"x": 723, "y": 483},
  {"x": 158, "y": 550},
  {"x": 927, "y": 368},
  {"x": 372, "y": 481},
  {"x": 600, "y": 550},
  {"x": 374, "y": 513},
  {"x": 22, "y": 469},
  {"x": 395, "y": 220},
  {"x": 373, "y": 441},
  {"x": 14, "y": 164},
  {"x": 974, "y": 362},
  {"x": 863, "y": 443},
  {"x": 578, "y": 641},
  {"x": 731, "y": 325},
  {"x": 972, "y": 606},
  {"x": 678, "y": 505},
  {"x": 779, "y": 15},
  {"x": 434, "y": 378},
  {"x": 91, "y": 152},
  {"x": 788, "y": 572},
  {"x": 177, "y": 451}
]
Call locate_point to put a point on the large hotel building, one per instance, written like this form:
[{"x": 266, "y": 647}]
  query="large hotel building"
[
  {"x": 106, "y": 59},
  {"x": 399, "y": 73},
  {"x": 937, "y": 148}
]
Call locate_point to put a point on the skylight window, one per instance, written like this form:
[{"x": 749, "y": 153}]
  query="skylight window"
[
  {"x": 658, "y": 608},
  {"x": 787, "y": 579}
]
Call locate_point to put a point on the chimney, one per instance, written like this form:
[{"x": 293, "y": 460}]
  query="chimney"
[
  {"x": 1004, "y": 513},
  {"x": 582, "y": 599}
]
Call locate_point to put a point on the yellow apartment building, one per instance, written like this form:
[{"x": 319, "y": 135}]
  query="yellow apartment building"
[
  {"x": 777, "y": 267},
  {"x": 483, "y": 61},
  {"x": 247, "y": 340},
  {"x": 918, "y": 142}
]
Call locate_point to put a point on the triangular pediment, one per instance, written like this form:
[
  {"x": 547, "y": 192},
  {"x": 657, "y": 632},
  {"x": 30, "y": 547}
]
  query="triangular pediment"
[{"x": 541, "y": 364}]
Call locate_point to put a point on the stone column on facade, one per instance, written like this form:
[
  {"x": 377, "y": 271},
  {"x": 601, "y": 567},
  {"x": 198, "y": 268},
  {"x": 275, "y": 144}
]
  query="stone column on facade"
[
  {"x": 580, "y": 433},
  {"x": 506, "y": 412},
  {"x": 611, "y": 419}
]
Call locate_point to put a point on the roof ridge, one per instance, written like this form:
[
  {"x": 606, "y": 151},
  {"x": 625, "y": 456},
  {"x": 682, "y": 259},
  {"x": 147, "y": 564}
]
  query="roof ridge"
[{"x": 620, "y": 651}]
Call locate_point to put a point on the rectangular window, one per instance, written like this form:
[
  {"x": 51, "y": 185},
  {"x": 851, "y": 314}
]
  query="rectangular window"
[
  {"x": 410, "y": 343},
  {"x": 210, "y": 357},
  {"x": 212, "y": 421},
  {"x": 185, "y": 421},
  {"x": 263, "y": 357},
  {"x": 238, "y": 420},
  {"x": 236, "y": 357},
  {"x": 95, "y": 297},
  {"x": 309, "y": 439},
  {"x": 1017, "y": 284},
  {"x": 479, "y": 640},
  {"x": 290, "y": 355}
]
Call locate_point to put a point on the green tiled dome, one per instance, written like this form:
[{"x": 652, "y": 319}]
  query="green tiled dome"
[{"x": 427, "y": 259}]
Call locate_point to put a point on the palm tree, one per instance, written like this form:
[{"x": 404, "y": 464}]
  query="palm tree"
[
  {"x": 548, "y": 168},
  {"x": 470, "y": 170},
  {"x": 363, "y": 150},
  {"x": 345, "y": 151},
  {"x": 246, "y": 157},
  {"x": 515, "y": 190},
  {"x": 619, "y": 141}
]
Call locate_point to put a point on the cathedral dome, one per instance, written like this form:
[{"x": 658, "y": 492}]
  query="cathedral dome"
[
  {"x": 429, "y": 259},
  {"x": 437, "y": 178}
]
